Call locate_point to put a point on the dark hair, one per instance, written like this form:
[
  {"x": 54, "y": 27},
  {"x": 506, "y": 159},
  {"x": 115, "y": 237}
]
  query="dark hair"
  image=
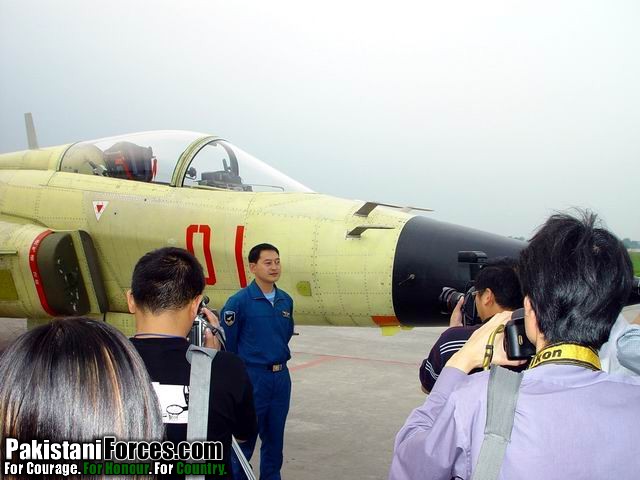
[
  {"x": 499, "y": 274},
  {"x": 578, "y": 277},
  {"x": 75, "y": 379},
  {"x": 254, "y": 253},
  {"x": 166, "y": 279}
]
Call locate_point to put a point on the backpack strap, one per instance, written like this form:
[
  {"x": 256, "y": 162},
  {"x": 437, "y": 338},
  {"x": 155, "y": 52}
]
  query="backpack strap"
[
  {"x": 502, "y": 396},
  {"x": 200, "y": 359}
]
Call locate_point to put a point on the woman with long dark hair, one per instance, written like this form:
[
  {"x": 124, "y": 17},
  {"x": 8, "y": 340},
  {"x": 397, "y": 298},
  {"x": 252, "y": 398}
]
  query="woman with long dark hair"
[{"x": 77, "y": 380}]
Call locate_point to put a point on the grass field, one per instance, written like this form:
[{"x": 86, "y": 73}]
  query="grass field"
[{"x": 635, "y": 258}]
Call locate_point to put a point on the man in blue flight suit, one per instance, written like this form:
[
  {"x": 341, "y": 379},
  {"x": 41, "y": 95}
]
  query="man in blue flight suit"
[{"x": 258, "y": 322}]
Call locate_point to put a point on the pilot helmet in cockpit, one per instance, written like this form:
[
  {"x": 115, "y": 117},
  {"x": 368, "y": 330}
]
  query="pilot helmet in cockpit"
[{"x": 130, "y": 161}]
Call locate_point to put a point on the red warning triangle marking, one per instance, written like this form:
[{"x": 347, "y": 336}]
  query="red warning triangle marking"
[{"x": 99, "y": 208}]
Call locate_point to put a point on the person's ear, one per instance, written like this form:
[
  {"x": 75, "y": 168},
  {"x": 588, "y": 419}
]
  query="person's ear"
[
  {"x": 487, "y": 297},
  {"x": 531, "y": 326},
  {"x": 193, "y": 307},
  {"x": 252, "y": 268},
  {"x": 131, "y": 303}
]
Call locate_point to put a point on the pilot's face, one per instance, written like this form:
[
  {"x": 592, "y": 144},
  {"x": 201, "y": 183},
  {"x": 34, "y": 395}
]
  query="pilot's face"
[{"x": 267, "y": 268}]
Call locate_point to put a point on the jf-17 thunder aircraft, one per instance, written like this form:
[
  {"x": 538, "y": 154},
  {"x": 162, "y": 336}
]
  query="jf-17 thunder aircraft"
[{"x": 75, "y": 219}]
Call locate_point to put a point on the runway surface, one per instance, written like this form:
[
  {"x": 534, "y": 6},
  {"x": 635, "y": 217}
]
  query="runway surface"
[{"x": 352, "y": 391}]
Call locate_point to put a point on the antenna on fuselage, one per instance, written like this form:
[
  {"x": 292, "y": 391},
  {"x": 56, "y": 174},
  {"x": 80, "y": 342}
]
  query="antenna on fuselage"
[{"x": 32, "y": 140}]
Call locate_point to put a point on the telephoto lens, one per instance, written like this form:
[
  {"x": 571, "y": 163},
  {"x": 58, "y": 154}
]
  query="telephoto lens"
[{"x": 448, "y": 299}]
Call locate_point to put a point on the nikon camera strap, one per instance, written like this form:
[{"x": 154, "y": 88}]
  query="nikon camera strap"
[
  {"x": 201, "y": 359},
  {"x": 567, "y": 354},
  {"x": 502, "y": 395}
]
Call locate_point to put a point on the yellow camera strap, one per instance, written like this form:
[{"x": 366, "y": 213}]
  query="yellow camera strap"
[
  {"x": 567, "y": 354},
  {"x": 488, "y": 349},
  {"x": 562, "y": 353}
]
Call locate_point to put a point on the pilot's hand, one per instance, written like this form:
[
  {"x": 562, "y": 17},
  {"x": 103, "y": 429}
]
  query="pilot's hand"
[
  {"x": 210, "y": 340},
  {"x": 456, "y": 316},
  {"x": 471, "y": 355}
]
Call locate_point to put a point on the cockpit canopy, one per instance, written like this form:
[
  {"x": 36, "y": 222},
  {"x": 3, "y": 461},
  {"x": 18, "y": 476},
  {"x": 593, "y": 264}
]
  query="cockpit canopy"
[{"x": 159, "y": 157}]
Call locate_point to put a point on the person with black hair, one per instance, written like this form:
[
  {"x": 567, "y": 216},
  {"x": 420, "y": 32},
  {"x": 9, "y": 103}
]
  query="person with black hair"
[
  {"x": 496, "y": 289},
  {"x": 75, "y": 380},
  {"x": 166, "y": 291},
  {"x": 572, "y": 420},
  {"x": 258, "y": 321}
]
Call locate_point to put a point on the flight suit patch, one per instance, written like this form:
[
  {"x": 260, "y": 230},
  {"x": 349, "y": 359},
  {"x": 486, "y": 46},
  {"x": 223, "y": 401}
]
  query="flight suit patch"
[
  {"x": 229, "y": 317},
  {"x": 286, "y": 314}
]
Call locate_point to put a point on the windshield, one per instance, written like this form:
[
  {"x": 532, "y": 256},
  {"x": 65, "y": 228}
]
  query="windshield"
[
  {"x": 220, "y": 164},
  {"x": 143, "y": 157}
]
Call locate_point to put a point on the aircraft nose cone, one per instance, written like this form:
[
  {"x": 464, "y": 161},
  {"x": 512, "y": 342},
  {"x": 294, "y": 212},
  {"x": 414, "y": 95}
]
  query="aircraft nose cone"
[{"x": 426, "y": 260}]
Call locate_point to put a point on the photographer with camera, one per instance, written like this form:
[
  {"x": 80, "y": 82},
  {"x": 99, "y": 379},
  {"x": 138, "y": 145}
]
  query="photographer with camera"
[
  {"x": 496, "y": 289},
  {"x": 166, "y": 297},
  {"x": 567, "y": 418}
]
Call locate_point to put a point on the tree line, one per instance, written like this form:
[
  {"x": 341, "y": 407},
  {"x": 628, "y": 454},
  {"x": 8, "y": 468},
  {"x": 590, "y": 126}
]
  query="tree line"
[{"x": 628, "y": 243}]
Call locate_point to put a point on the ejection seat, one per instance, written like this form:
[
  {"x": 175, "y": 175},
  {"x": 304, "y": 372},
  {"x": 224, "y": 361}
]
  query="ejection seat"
[{"x": 129, "y": 161}]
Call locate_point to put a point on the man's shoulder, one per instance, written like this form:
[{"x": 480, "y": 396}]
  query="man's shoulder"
[
  {"x": 239, "y": 296},
  {"x": 229, "y": 374},
  {"x": 454, "y": 336},
  {"x": 472, "y": 390},
  {"x": 633, "y": 381},
  {"x": 160, "y": 346},
  {"x": 230, "y": 362},
  {"x": 229, "y": 358},
  {"x": 285, "y": 295},
  {"x": 552, "y": 380}
]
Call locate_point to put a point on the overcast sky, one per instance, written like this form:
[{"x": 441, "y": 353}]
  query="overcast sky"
[{"x": 494, "y": 113}]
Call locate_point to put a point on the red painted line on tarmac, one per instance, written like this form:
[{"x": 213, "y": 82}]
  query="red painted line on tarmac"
[
  {"x": 325, "y": 358},
  {"x": 313, "y": 363}
]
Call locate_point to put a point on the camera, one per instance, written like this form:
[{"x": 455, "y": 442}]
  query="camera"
[
  {"x": 450, "y": 296},
  {"x": 516, "y": 343},
  {"x": 200, "y": 324},
  {"x": 449, "y": 299}
]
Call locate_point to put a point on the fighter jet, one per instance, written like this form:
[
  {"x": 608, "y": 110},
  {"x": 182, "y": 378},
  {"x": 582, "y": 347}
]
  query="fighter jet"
[{"x": 74, "y": 220}]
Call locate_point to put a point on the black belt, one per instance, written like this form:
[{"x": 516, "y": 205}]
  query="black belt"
[{"x": 276, "y": 367}]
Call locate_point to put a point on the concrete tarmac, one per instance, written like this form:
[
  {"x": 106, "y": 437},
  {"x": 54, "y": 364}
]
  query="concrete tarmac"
[
  {"x": 352, "y": 391},
  {"x": 11, "y": 328}
]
